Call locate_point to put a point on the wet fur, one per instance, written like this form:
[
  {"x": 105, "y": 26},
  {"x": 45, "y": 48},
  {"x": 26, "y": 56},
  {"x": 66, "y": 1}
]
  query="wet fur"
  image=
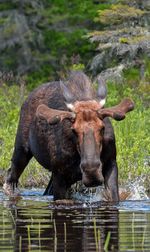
[{"x": 54, "y": 146}]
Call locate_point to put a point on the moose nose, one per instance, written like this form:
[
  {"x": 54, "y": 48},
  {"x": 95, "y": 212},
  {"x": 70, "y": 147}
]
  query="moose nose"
[
  {"x": 89, "y": 166},
  {"x": 92, "y": 173},
  {"x": 92, "y": 178}
]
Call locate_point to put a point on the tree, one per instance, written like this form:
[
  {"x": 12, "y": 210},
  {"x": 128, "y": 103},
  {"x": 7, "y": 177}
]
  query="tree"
[
  {"x": 41, "y": 38},
  {"x": 124, "y": 40},
  {"x": 21, "y": 40}
]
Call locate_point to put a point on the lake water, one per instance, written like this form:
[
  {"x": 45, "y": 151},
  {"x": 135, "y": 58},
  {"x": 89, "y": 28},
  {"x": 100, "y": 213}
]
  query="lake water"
[{"x": 34, "y": 222}]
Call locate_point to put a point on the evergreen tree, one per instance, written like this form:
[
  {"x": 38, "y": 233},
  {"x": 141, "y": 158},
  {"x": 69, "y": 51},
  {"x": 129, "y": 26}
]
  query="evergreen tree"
[{"x": 124, "y": 40}]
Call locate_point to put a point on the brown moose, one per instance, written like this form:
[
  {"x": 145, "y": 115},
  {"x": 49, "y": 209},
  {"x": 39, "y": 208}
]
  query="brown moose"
[{"x": 65, "y": 127}]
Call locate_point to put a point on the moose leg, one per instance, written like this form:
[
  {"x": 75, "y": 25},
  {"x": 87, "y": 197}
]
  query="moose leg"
[
  {"x": 20, "y": 160},
  {"x": 59, "y": 187},
  {"x": 111, "y": 180}
]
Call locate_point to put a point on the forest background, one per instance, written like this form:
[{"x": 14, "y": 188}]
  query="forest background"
[{"x": 43, "y": 40}]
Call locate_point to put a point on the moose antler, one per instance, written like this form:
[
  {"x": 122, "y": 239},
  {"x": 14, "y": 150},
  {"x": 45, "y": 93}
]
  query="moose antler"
[
  {"x": 117, "y": 112},
  {"x": 53, "y": 116}
]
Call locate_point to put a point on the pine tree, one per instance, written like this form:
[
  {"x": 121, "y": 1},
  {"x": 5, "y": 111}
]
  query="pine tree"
[{"x": 124, "y": 39}]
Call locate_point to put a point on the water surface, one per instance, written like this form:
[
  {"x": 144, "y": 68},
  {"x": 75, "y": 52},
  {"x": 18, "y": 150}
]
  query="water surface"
[{"x": 33, "y": 222}]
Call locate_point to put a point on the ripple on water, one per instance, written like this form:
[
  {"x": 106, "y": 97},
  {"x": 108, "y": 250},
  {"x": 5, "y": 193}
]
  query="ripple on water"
[{"x": 33, "y": 223}]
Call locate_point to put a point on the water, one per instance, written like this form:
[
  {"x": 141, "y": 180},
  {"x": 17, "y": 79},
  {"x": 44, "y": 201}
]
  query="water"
[{"x": 34, "y": 222}]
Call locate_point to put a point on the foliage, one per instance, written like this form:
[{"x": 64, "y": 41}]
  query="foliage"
[
  {"x": 9, "y": 110},
  {"x": 10, "y": 103},
  {"x": 124, "y": 37},
  {"x": 36, "y": 37},
  {"x": 132, "y": 136},
  {"x": 7, "y": 5},
  {"x": 118, "y": 13}
]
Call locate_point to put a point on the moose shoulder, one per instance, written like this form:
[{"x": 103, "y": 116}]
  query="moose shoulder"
[{"x": 66, "y": 128}]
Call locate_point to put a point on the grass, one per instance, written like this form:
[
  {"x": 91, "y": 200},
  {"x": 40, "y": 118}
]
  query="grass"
[
  {"x": 11, "y": 99},
  {"x": 132, "y": 134}
]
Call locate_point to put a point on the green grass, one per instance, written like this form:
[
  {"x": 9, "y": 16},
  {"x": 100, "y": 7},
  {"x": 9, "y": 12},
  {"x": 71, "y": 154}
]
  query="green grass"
[
  {"x": 132, "y": 134},
  {"x": 10, "y": 103},
  {"x": 9, "y": 110}
]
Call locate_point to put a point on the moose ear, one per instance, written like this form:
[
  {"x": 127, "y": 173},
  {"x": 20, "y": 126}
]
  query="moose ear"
[
  {"x": 66, "y": 92},
  {"x": 102, "y": 91}
]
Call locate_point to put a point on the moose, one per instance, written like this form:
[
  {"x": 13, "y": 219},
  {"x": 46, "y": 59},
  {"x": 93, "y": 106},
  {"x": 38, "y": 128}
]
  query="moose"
[{"x": 66, "y": 128}]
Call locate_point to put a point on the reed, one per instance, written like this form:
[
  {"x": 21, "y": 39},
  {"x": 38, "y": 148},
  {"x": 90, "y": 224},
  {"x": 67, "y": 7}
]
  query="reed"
[
  {"x": 143, "y": 238},
  {"x": 107, "y": 242},
  {"x": 3, "y": 225},
  {"x": 65, "y": 233},
  {"x": 29, "y": 237},
  {"x": 12, "y": 217},
  {"x": 55, "y": 236},
  {"x": 95, "y": 234},
  {"x": 39, "y": 235},
  {"x": 20, "y": 243},
  {"x": 133, "y": 233}
]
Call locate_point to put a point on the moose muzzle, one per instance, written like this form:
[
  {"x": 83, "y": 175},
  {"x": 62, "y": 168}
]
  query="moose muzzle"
[{"x": 92, "y": 176}]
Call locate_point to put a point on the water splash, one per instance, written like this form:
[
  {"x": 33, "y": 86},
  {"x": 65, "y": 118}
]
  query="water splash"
[
  {"x": 134, "y": 190},
  {"x": 137, "y": 189}
]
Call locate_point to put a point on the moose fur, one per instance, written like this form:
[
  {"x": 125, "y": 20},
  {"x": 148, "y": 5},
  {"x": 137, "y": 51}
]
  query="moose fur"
[{"x": 65, "y": 127}]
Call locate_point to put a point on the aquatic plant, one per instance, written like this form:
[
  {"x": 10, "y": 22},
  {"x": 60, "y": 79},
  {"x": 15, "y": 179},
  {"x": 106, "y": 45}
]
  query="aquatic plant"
[
  {"x": 29, "y": 237},
  {"x": 107, "y": 241},
  {"x": 65, "y": 233},
  {"x": 97, "y": 237},
  {"x": 20, "y": 243}
]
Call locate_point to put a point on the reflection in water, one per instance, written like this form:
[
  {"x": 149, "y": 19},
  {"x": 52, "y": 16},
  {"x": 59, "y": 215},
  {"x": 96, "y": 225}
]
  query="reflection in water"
[{"x": 28, "y": 224}]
